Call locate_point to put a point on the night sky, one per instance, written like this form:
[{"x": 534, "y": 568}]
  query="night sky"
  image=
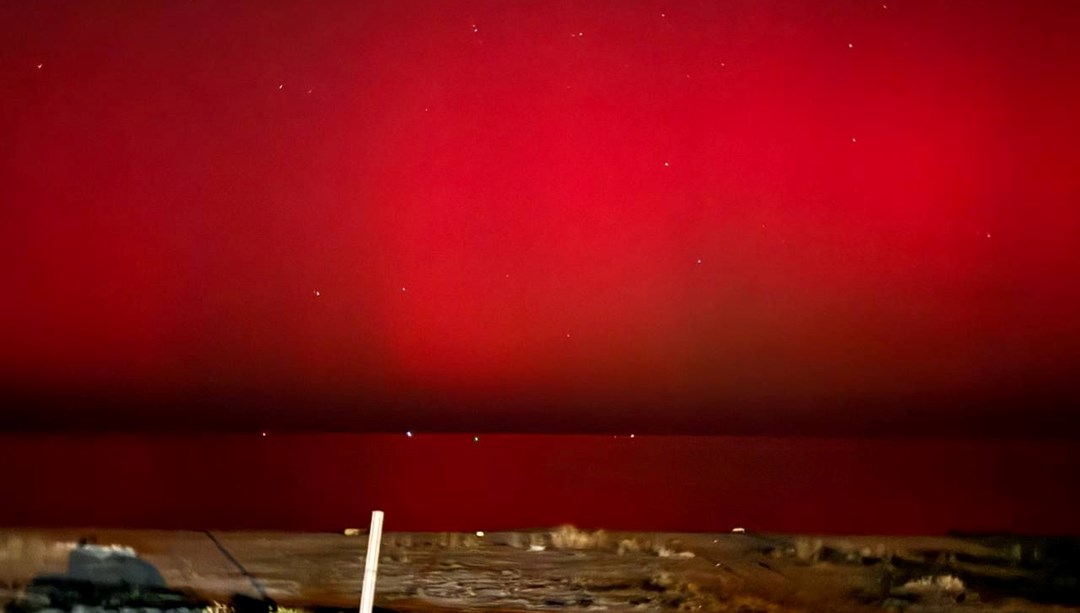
[{"x": 779, "y": 217}]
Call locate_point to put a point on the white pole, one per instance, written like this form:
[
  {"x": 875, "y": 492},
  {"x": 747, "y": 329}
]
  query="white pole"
[{"x": 371, "y": 564}]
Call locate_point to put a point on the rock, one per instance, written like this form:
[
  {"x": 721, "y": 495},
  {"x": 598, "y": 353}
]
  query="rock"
[
  {"x": 111, "y": 566},
  {"x": 569, "y": 537},
  {"x": 808, "y": 550}
]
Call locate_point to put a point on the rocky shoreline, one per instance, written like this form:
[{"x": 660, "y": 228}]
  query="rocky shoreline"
[{"x": 566, "y": 569}]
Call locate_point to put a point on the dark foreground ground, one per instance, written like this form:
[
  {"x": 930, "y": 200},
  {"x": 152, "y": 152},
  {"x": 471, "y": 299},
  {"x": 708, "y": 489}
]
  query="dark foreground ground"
[{"x": 571, "y": 570}]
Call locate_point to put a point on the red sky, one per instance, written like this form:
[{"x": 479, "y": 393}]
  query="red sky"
[{"x": 763, "y": 216}]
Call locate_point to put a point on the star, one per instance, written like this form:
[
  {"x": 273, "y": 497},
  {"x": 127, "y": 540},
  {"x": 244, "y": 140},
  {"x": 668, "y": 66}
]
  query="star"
[
  {"x": 667, "y": 165},
  {"x": 850, "y": 46},
  {"x": 264, "y": 434},
  {"x": 699, "y": 260},
  {"x": 403, "y": 289}
]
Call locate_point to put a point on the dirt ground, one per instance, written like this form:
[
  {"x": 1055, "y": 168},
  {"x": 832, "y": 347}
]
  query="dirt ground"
[{"x": 566, "y": 569}]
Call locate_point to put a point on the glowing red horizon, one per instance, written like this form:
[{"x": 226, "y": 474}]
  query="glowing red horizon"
[{"x": 514, "y": 482}]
